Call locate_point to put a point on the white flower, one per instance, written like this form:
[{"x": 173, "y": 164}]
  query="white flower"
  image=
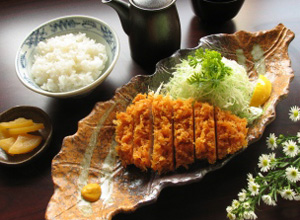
[
  {"x": 252, "y": 215},
  {"x": 231, "y": 216},
  {"x": 287, "y": 194},
  {"x": 292, "y": 174},
  {"x": 264, "y": 163},
  {"x": 246, "y": 215},
  {"x": 271, "y": 141},
  {"x": 272, "y": 160},
  {"x": 235, "y": 204},
  {"x": 229, "y": 209},
  {"x": 290, "y": 148},
  {"x": 246, "y": 205},
  {"x": 298, "y": 137},
  {"x": 242, "y": 195},
  {"x": 294, "y": 113},
  {"x": 297, "y": 197},
  {"x": 268, "y": 200},
  {"x": 250, "y": 177},
  {"x": 253, "y": 188}
]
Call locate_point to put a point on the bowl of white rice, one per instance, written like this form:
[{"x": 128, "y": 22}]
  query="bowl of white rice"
[{"x": 68, "y": 56}]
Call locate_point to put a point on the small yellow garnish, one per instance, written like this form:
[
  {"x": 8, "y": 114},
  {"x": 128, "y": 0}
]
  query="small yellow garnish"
[
  {"x": 91, "y": 192},
  {"x": 262, "y": 91}
]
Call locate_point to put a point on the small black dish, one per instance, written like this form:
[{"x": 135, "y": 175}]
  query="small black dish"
[
  {"x": 216, "y": 11},
  {"x": 37, "y": 115}
]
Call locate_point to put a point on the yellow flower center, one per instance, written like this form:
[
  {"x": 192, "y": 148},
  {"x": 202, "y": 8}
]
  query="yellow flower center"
[
  {"x": 265, "y": 163},
  {"x": 296, "y": 113},
  {"x": 294, "y": 173}
]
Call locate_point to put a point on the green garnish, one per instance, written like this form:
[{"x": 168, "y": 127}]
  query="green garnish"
[
  {"x": 207, "y": 76},
  {"x": 213, "y": 69}
]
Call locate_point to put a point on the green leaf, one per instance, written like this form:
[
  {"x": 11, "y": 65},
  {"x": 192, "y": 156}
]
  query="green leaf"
[{"x": 213, "y": 70}]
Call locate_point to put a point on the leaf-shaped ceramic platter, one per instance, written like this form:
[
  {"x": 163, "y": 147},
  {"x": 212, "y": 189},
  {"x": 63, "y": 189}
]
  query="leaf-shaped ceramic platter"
[{"x": 89, "y": 155}]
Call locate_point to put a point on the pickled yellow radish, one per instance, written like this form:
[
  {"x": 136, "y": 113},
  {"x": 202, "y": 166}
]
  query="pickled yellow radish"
[
  {"x": 6, "y": 143},
  {"x": 25, "y": 143},
  {"x": 14, "y": 137},
  {"x": 3, "y": 134},
  {"x": 17, "y": 123},
  {"x": 27, "y": 129},
  {"x": 91, "y": 192}
]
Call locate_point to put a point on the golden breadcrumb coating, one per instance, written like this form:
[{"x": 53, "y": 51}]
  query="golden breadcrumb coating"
[
  {"x": 163, "y": 134},
  {"x": 205, "y": 143},
  {"x": 125, "y": 131},
  {"x": 124, "y": 135},
  {"x": 162, "y": 155},
  {"x": 139, "y": 97},
  {"x": 231, "y": 132},
  {"x": 142, "y": 137},
  {"x": 183, "y": 132}
]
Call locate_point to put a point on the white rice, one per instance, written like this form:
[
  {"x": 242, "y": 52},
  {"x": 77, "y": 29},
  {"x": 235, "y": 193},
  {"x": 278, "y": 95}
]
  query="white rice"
[{"x": 68, "y": 62}]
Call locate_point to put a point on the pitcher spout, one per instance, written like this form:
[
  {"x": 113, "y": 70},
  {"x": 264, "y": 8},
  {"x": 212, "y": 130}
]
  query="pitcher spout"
[{"x": 122, "y": 9}]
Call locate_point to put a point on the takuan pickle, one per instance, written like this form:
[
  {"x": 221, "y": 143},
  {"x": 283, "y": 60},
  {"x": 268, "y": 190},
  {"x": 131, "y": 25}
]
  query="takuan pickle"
[{"x": 15, "y": 137}]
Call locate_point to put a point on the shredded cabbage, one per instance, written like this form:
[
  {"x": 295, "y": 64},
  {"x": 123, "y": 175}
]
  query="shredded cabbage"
[{"x": 232, "y": 93}]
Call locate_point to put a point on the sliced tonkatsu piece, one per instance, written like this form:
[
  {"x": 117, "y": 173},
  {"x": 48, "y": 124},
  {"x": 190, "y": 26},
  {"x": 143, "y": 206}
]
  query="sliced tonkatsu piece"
[
  {"x": 162, "y": 155},
  {"x": 183, "y": 132},
  {"x": 142, "y": 138},
  {"x": 231, "y": 132},
  {"x": 124, "y": 135},
  {"x": 124, "y": 132},
  {"x": 163, "y": 134},
  {"x": 205, "y": 142}
]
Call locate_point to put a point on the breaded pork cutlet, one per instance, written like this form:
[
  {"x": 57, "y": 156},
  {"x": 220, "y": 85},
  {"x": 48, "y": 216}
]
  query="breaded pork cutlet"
[
  {"x": 204, "y": 125},
  {"x": 183, "y": 132},
  {"x": 157, "y": 132},
  {"x": 162, "y": 155},
  {"x": 142, "y": 138},
  {"x": 231, "y": 132},
  {"x": 124, "y": 135}
]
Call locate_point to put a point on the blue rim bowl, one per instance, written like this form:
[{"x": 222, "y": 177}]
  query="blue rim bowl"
[{"x": 94, "y": 28}]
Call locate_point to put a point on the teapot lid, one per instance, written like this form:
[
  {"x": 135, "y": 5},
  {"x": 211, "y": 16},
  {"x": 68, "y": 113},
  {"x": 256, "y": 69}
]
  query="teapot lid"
[{"x": 152, "y": 4}]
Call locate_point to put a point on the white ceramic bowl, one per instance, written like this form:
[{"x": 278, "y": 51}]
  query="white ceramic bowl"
[{"x": 92, "y": 27}]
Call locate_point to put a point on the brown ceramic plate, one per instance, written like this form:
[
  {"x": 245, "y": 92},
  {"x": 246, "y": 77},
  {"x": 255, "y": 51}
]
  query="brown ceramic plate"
[
  {"x": 89, "y": 155},
  {"x": 37, "y": 115}
]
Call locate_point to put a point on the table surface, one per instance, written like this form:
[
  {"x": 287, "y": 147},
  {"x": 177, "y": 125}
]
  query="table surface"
[{"x": 25, "y": 191}]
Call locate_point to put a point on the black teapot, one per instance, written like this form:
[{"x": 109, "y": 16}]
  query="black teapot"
[{"x": 153, "y": 27}]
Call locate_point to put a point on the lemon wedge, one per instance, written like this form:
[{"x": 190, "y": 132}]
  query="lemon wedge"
[{"x": 262, "y": 91}]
